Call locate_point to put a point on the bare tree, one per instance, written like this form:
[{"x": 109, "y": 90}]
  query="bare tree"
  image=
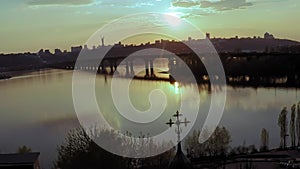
[
  {"x": 292, "y": 126},
  {"x": 282, "y": 123},
  {"x": 216, "y": 145},
  {"x": 264, "y": 145},
  {"x": 298, "y": 123},
  {"x": 80, "y": 151}
]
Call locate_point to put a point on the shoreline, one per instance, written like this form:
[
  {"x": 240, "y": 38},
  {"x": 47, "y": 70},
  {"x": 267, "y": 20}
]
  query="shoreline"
[
  {"x": 17, "y": 73},
  {"x": 12, "y": 74}
]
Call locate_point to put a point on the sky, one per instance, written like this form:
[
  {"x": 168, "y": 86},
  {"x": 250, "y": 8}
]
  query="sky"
[{"x": 31, "y": 25}]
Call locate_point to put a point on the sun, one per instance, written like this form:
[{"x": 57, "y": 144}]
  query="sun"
[{"x": 172, "y": 18}]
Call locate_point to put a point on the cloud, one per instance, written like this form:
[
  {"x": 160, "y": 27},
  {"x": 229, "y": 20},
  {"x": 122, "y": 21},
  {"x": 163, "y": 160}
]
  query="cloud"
[
  {"x": 185, "y": 4},
  {"x": 60, "y": 2},
  {"x": 223, "y": 5},
  {"x": 133, "y": 3},
  {"x": 218, "y": 5},
  {"x": 101, "y": 3},
  {"x": 195, "y": 12}
]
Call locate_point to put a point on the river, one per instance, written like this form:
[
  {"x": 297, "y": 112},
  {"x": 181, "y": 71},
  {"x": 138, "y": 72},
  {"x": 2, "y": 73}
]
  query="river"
[{"x": 37, "y": 110}]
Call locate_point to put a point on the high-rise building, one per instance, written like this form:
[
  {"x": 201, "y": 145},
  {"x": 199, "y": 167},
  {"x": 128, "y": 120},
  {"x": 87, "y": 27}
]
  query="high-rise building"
[
  {"x": 207, "y": 35},
  {"x": 102, "y": 40}
]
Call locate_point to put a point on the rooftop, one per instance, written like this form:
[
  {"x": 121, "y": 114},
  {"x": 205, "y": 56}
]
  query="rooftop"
[{"x": 18, "y": 159}]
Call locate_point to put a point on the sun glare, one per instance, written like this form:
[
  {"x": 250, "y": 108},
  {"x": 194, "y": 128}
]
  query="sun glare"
[
  {"x": 176, "y": 87},
  {"x": 172, "y": 18}
]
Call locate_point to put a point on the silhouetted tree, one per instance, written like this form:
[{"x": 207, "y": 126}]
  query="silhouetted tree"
[
  {"x": 252, "y": 149},
  {"x": 216, "y": 145},
  {"x": 80, "y": 151},
  {"x": 282, "y": 123},
  {"x": 292, "y": 126},
  {"x": 24, "y": 149},
  {"x": 298, "y": 123},
  {"x": 264, "y": 145},
  {"x": 195, "y": 149},
  {"x": 243, "y": 149}
]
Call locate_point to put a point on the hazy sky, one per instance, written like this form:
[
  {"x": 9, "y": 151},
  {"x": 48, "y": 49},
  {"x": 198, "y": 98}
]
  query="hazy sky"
[{"x": 29, "y": 25}]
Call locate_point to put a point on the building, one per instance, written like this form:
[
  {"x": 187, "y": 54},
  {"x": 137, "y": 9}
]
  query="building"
[
  {"x": 180, "y": 161},
  {"x": 207, "y": 35},
  {"x": 57, "y": 52},
  {"x": 268, "y": 36},
  {"x": 20, "y": 161},
  {"x": 76, "y": 49}
]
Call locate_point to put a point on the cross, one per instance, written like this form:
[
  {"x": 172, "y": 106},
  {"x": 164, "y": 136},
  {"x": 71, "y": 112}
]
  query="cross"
[
  {"x": 185, "y": 122},
  {"x": 177, "y": 123},
  {"x": 177, "y": 114},
  {"x": 170, "y": 123}
]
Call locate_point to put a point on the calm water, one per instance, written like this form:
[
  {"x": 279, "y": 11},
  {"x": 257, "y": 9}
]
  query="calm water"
[{"x": 36, "y": 110}]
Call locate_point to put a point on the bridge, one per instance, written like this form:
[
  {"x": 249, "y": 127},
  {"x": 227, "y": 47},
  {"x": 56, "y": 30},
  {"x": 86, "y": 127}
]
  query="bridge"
[{"x": 268, "y": 69}]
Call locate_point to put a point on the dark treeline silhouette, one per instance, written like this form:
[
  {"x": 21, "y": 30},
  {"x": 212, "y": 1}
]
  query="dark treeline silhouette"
[
  {"x": 264, "y": 146},
  {"x": 294, "y": 126},
  {"x": 80, "y": 151},
  {"x": 23, "y": 61},
  {"x": 216, "y": 145}
]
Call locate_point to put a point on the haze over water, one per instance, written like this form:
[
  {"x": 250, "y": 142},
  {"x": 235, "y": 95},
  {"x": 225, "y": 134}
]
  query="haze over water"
[{"x": 37, "y": 110}]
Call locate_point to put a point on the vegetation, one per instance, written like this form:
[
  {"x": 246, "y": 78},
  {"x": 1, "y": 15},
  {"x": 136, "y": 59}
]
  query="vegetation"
[
  {"x": 79, "y": 151},
  {"x": 24, "y": 149},
  {"x": 216, "y": 145},
  {"x": 282, "y": 122},
  {"x": 292, "y": 126},
  {"x": 243, "y": 149},
  {"x": 298, "y": 124},
  {"x": 264, "y": 146}
]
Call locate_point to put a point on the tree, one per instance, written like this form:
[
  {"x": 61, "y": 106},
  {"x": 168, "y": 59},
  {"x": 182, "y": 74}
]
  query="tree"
[
  {"x": 194, "y": 149},
  {"x": 282, "y": 123},
  {"x": 216, "y": 145},
  {"x": 292, "y": 126},
  {"x": 298, "y": 123},
  {"x": 80, "y": 151},
  {"x": 264, "y": 145},
  {"x": 24, "y": 149}
]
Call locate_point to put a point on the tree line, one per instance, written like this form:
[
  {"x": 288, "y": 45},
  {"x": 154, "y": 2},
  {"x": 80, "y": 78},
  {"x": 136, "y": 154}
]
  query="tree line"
[
  {"x": 290, "y": 128},
  {"x": 79, "y": 150}
]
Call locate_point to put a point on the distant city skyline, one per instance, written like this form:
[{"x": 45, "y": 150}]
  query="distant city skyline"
[
  {"x": 129, "y": 43},
  {"x": 31, "y": 25},
  {"x": 77, "y": 48}
]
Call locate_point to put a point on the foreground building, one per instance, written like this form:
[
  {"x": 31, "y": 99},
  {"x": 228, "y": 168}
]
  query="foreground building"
[{"x": 19, "y": 161}]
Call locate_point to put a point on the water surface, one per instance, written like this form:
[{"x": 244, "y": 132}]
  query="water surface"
[{"x": 36, "y": 110}]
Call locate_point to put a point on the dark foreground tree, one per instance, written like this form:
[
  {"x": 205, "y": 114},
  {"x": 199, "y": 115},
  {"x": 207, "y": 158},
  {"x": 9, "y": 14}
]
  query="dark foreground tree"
[
  {"x": 292, "y": 126},
  {"x": 282, "y": 123},
  {"x": 216, "y": 145},
  {"x": 79, "y": 151},
  {"x": 264, "y": 145},
  {"x": 298, "y": 124}
]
